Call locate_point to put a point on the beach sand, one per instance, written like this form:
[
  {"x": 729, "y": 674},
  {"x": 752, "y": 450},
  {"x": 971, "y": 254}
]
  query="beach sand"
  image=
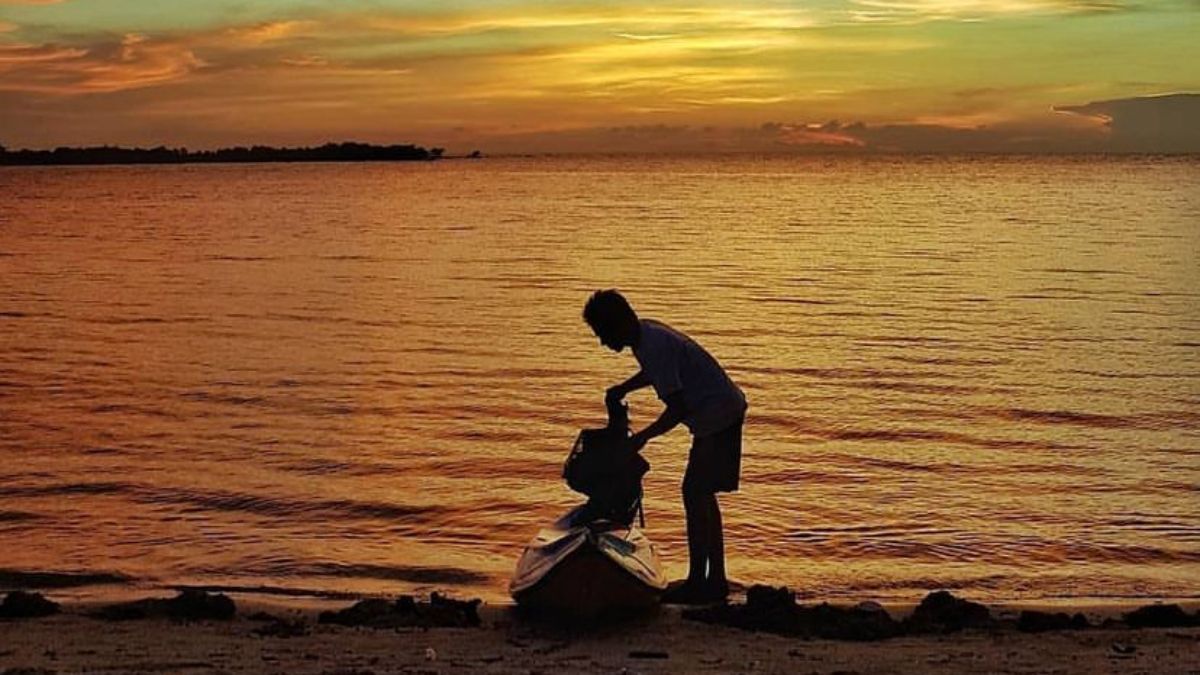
[{"x": 506, "y": 643}]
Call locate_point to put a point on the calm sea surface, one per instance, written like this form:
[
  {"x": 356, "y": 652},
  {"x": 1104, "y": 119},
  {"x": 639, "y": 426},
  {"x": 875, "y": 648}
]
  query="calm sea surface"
[{"x": 980, "y": 374}]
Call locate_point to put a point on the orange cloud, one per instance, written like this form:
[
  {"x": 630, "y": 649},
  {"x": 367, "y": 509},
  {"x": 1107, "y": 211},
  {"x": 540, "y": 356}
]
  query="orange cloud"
[
  {"x": 141, "y": 62},
  {"x": 16, "y": 55},
  {"x": 305, "y": 61},
  {"x": 262, "y": 33},
  {"x": 830, "y": 135},
  {"x": 134, "y": 63}
]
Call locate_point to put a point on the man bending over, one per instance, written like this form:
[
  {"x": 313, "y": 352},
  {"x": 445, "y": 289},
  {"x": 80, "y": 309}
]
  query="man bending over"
[{"x": 698, "y": 393}]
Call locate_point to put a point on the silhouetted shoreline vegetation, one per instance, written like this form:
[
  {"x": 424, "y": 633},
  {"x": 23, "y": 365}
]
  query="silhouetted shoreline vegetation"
[{"x": 330, "y": 152}]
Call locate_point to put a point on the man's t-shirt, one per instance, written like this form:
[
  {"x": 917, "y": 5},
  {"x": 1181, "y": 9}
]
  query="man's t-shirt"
[{"x": 675, "y": 363}]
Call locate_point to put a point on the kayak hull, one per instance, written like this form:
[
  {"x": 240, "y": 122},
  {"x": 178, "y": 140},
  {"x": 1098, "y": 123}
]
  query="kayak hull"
[{"x": 588, "y": 571}]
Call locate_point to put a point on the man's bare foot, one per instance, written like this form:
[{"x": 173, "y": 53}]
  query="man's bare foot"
[
  {"x": 680, "y": 591},
  {"x": 692, "y": 592},
  {"x": 718, "y": 589}
]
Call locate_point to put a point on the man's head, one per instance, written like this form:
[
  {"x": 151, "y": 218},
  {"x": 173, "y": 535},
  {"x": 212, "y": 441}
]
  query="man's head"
[{"x": 612, "y": 319}]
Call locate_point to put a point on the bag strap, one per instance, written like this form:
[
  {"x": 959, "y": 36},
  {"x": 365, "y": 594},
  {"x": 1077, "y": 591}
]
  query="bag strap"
[{"x": 641, "y": 510}]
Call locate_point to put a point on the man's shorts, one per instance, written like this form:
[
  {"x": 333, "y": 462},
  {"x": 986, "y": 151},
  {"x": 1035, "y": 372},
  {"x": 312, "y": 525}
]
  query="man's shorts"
[{"x": 715, "y": 461}]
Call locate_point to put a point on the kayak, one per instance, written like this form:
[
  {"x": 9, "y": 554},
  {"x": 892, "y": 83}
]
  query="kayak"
[{"x": 588, "y": 568}]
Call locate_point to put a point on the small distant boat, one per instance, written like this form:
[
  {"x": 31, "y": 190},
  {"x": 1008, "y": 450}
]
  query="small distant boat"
[
  {"x": 595, "y": 561},
  {"x": 589, "y": 568}
]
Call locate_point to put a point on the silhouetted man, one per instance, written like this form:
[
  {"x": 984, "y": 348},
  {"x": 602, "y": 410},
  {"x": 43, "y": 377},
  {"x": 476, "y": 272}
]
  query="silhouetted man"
[{"x": 698, "y": 393}]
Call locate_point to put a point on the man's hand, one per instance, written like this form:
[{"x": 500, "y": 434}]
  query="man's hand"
[
  {"x": 669, "y": 418},
  {"x": 617, "y": 392}
]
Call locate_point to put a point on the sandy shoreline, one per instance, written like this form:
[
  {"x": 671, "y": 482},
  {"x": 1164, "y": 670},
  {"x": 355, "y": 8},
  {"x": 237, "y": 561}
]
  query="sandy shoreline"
[{"x": 665, "y": 642}]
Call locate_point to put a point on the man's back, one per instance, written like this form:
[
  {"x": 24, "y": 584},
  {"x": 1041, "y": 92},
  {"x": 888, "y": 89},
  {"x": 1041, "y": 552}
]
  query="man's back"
[{"x": 676, "y": 363}]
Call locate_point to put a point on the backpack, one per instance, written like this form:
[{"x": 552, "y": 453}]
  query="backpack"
[{"x": 603, "y": 469}]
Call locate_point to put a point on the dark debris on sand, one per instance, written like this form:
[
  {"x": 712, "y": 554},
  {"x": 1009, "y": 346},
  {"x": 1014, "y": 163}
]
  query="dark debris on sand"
[
  {"x": 1161, "y": 616},
  {"x": 1032, "y": 621},
  {"x": 774, "y": 610},
  {"x": 407, "y": 612},
  {"x": 189, "y": 605},
  {"x": 942, "y": 612},
  {"x": 23, "y": 605}
]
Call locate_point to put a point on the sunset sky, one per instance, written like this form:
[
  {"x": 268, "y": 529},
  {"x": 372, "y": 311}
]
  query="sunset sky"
[{"x": 562, "y": 76}]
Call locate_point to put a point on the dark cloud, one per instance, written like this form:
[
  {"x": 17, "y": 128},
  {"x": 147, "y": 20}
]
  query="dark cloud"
[
  {"x": 805, "y": 138},
  {"x": 1158, "y": 124},
  {"x": 1000, "y": 138},
  {"x": 1169, "y": 123},
  {"x": 769, "y": 138}
]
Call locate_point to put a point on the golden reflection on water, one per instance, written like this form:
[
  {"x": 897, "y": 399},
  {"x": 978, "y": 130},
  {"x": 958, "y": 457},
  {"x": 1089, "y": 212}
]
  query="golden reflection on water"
[{"x": 976, "y": 373}]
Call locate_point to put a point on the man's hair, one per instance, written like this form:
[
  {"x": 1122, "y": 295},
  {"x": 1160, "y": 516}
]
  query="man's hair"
[{"x": 607, "y": 308}]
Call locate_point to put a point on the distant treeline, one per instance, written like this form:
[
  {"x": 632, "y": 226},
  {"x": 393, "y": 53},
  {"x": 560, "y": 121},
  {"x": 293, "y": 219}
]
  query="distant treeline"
[{"x": 330, "y": 152}]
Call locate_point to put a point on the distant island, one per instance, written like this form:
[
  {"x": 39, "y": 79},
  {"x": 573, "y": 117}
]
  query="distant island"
[{"x": 330, "y": 152}]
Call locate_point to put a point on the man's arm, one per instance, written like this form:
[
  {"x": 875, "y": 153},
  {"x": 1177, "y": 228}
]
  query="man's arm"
[
  {"x": 668, "y": 420},
  {"x": 639, "y": 381}
]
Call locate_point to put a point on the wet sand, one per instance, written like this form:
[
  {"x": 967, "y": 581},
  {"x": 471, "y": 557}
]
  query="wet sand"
[{"x": 72, "y": 642}]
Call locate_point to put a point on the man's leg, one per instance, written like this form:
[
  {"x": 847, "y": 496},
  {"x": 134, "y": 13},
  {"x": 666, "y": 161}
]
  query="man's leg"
[
  {"x": 706, "y": 560},
  {"x": 698, "y": 513},
  {"x": 727, "y": 462},
  {"x": 716, "y": 548}
]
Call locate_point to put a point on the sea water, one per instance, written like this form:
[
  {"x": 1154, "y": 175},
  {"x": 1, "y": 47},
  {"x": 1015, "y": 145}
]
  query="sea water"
[{"x": 977, "y": 373}]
